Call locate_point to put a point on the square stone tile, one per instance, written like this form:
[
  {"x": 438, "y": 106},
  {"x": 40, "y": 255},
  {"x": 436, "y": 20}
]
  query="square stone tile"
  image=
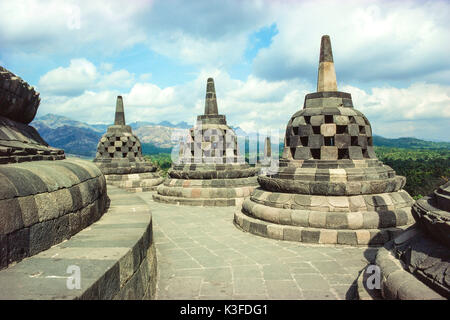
[
  {"x": 318, "y": 295},
  {"x": 283, "y": 289},
  {"x": 276, "y": 272},
  {"x": 328, "y": 267},
  {"x": 249, "y": 286},
  {"x": 247, "y": 272},
  {"x": 181, "y": 288},
  {"x": 311, "y": 282},
  {"x": 216, "y": 288}
]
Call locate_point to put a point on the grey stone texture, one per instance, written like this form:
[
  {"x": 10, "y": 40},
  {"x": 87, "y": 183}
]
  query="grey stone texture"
[
  {"x": 18, "y": 100},
  {"x": 116, "y": 257},
  {"x": 330, "y": 187},
  {"x": 119, "y": 157},
  {"x": 20, "y": 142},
  {"x": 45, "y": 202},
  {"x": 416, "y": 263},
  {"x": 42, "y": 202},
  {"x": 201, "y": 258},
  {"x": 209, "y": 171}
]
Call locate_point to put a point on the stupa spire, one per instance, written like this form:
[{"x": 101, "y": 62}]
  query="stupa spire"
[
  {"x": 120, "y": 114},
  {"x": 210, "y": 100},
  {"x": 267, "y": 148},
  {"x": 326, "y": 79}
]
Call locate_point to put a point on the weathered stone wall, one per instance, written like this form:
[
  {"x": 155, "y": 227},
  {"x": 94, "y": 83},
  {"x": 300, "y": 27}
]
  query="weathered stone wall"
[
  {"x": 20, "y": 142},
  {"x": 18, "y": 100},
  {"x": 45, "y": 202},
  {"x": 116, "y": 258}
]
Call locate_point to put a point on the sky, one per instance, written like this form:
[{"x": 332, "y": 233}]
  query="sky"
[{"x": 392, "y": 56}]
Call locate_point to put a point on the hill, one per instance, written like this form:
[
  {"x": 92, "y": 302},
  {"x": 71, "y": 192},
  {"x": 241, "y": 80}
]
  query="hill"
[{"x": 80, "y": 138}]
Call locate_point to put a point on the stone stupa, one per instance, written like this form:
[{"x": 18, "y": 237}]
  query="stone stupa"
[
  {"x": 119, "y": 157},
  {"x": 44, "y": 197},
  {"x": 416, "y": 264},
  {"x": 209, "y": 171},
  {"x": 330, "y": 187}
]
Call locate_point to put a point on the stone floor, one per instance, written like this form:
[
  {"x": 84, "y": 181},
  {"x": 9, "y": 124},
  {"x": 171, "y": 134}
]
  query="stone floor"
[{"x": 203, "y": 255}]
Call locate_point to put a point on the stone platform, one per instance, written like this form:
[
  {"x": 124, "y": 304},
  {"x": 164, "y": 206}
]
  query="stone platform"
[
  {"x": 135, "y": 182},
  {"x": 116, "y": 256},
  {"x": 209, "y": 258},
  {"x": 207, "y": 184}
]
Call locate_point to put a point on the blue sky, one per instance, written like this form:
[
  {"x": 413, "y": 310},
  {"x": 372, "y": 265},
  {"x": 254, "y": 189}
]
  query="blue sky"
[{"x": 392, "y": 56}]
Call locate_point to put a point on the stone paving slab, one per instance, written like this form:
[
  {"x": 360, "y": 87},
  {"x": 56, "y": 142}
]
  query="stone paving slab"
[{"x": 203, "y": 255}]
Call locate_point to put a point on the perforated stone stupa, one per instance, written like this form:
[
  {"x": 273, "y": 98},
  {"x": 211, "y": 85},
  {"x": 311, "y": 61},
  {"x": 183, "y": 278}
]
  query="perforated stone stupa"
[
  {"x": 416, "y": 264},
  {"x": 210, "y": 171},
  {"x": 330, "y": 187},
  {"x": 119, "y": 157},
  {"x": 44, "y": 198}
]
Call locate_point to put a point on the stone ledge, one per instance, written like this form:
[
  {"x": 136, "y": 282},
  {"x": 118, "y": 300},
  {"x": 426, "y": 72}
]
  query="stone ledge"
[
  {"x": 361, "y": 237},
  {"x": 209, "y": 202},
  {"x": 116, "y": 256},
  {"x": 43, "y": 203},
  {"x": 204, "y": 194},
  {"x": 138, "y": 182},
  {"x": 328, "y": 188},
  {"x": 321, "y": 215},
  {"x": 397, "y": 283},
  {"x": 211, "y": 183}
]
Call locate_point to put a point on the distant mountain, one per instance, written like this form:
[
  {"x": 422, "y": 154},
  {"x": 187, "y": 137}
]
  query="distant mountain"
[
  {"x": 79, "y": 138},
  {"x": 74, "y": 140},
  {"x": 54, "y": 121}
]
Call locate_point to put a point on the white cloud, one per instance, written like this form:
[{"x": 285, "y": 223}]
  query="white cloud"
[
  {"x": 384, "y": 40},
  {"x": 148, "y": 94},
  {"x": 198, "y": 32},
  {"x": 420, "y": 101},
  {"x": 82, "y": 75},
  {"x": 117, "y": 79},
  {"x": 394, "y": 55},
  {"x": 73, "y": 80},
  {"x": 421, "y": 110}
]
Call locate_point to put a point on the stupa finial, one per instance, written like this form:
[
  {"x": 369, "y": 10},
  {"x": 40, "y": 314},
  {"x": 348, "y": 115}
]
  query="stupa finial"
[
  {"x": 120, "y": 114},
  {"x": 326, "y": 79},
  {"x": 210, "y": 100},
  {"x": 267, "y": 148}
]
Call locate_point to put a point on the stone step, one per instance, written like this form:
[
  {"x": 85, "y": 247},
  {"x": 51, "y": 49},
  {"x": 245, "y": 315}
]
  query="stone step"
[{"x": 364, "y": 237}]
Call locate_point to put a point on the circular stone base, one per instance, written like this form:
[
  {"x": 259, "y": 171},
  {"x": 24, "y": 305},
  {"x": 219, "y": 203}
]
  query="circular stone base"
[
  {"x": 212, "y": 202},
  {"x": 207, "y": 192},
  {"x": 137, "y": 182},
  {"x": 363, "y": 237},
  {"x": 217, "y": 197}
]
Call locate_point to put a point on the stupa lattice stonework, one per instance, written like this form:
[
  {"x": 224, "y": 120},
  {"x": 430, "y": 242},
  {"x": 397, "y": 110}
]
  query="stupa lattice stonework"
[
  {"x": 210, "y": 171},
  {"x": 44, "y": 198},
  {"x": 119, "y": 157},
  {"x": 330, "y": 187}
]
